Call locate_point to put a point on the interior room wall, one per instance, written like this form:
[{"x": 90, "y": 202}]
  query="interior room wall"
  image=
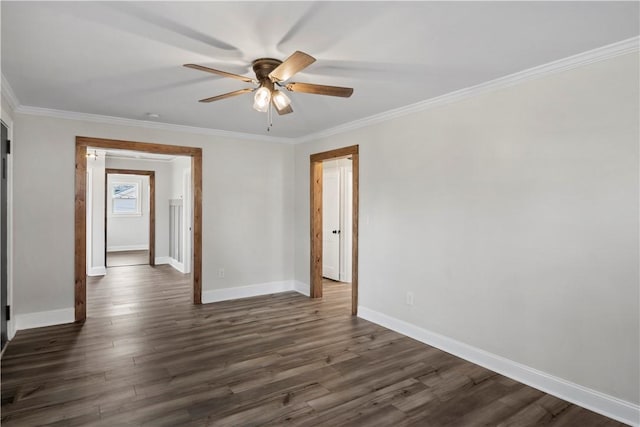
[
  {"x": 6, "y": 108},
  {"x": 181, "y": 178},
  {"x": 247, "y": 207},
  {"x": 164, "y": 184},
  {"x": 129, "y": 232},
  {"x": 512, "y": 217},
  {"x": 178, "y": 166},
  {"x": 95, "y": 224}
]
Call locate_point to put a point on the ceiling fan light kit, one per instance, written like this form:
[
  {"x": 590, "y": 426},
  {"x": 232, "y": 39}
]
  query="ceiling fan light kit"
[
  {"x": 272, "y": 74},
  {"x": 280, "y": 100},
  {"x": 261, "y": 99}
]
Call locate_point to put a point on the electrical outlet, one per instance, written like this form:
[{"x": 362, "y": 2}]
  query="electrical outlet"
[
  {"x": 221, "y": 273},
  {"x": 409, "y": 298}
]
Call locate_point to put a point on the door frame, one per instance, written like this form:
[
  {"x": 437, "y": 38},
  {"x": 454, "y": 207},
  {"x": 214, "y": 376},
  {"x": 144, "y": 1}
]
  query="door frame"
[
  {"x": 8, "y": 122},
  {"x": 4, "y": 234},
  {"x": 152, "y": 207},
  {"x": 80, "y": 242},
  {"x": 315, "y": 198}
]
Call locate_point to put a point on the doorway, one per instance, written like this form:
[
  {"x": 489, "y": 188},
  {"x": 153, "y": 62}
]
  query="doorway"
[
  {"x": 337, "y": 178},
  {"x": 316, "y": 220},
  {"x": 130, "y": 217},
  {"x": 80, "y": 290},
  {"x": 4, "y": 143}
]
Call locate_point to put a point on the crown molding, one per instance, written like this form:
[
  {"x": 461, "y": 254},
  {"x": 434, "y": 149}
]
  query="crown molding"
[
  {"x": 599, "y": 54},
  {"x": 595, "y": 55},
  {"x": 98, "y": 118},
  {"x": 9, "y": 94}
]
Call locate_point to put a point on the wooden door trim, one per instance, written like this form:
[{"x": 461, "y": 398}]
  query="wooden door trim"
[
  {"x": 315, "y": 196},
  {"x": 80, "y": 242},
  {"x": 152, "y": 207}
]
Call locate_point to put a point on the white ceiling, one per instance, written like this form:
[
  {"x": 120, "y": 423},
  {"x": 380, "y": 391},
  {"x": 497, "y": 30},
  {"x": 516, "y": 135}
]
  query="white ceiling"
[{"x": 125, "y": 59}]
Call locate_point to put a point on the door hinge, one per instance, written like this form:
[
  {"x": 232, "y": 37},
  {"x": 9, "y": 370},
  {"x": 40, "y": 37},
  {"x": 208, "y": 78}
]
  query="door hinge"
[
  {"x": 8, "y": 313},
  {"x": 8, "y": 147}
]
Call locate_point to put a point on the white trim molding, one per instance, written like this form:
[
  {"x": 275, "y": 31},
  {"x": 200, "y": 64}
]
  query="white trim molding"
[
  {"x": 176, "y": 264},
  {"x": 302, "y": 288},
  {"x": 45, "y": 318},
  {"x": 599, "y": 54},
  {"x": 605, "y": 52},
  {"x": 160, "y": 260},
  {"x": 97, "y": 271},
  {"x": 268, "y": 288},
  {"x": 121, "y": 121},
  {"x": 8, "y": 93},
  {"x": 128, "y": 248},
  {"x": 596, "y": 401}
]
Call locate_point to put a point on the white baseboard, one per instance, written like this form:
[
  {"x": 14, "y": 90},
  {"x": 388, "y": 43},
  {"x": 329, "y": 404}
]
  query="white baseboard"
[
  {"x": 127, "y": 248},
  {"x": 11, "y": 328},
  {"x": 97, "y": 271},
  {"x": 163, "y": 260},
  {"x": 45, "y": 318},
  {"x": 225, "y": 294},
  {"x": 302, "y": 288},
  {"x": 593, "y": 400},
  {"x": 177, "y": 265}
]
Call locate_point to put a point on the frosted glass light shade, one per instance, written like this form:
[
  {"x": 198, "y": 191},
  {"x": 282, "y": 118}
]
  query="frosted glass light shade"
[
  {"x": 281, "y": 100},
  {"x": 261, "y": 99}
]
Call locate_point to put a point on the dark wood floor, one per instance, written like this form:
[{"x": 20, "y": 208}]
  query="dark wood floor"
[
  {"x": 146, "y": 356},
  {"x": 125, "y": 258}
]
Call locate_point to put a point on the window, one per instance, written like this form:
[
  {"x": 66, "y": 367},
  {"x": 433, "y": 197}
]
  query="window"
[{"x": 125, "y": 198}]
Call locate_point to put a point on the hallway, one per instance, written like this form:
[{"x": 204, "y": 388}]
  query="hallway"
[{"x": 137, "y": 289}]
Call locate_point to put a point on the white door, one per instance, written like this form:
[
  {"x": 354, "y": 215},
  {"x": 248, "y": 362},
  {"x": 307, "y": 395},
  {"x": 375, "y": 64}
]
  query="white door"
[{"x": 331, "y": 223}]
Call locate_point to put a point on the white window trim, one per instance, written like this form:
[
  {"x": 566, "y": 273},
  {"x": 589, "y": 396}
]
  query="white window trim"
[{"x": 138, "y": 185}]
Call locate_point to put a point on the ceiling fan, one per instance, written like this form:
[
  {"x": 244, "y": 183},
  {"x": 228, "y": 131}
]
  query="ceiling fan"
[{"x": 271, "y": 77}]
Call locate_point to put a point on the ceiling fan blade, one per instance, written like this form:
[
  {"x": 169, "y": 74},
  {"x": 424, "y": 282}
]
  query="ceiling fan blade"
[
  {"x": 220, "y": 73},
  {"x": 282, "y": 111},
  {"x": 296, "y": 62},
  {"x": 344, "y": 92},
  {"x": 226, "y": 95}
]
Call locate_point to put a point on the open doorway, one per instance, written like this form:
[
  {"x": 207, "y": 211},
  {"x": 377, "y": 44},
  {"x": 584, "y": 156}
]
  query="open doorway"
[
  {"x": 337, "y": 178},
  {"x": 334, "y": 209},
  {"x": 85, "y": 147},
  {"x": 130, "y": 217}
]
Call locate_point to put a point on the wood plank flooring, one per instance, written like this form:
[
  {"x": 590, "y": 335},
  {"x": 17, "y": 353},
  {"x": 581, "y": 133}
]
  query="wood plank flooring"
[
  {"x": 125, "y": 258},
  {"x": 146, "y": 356}
]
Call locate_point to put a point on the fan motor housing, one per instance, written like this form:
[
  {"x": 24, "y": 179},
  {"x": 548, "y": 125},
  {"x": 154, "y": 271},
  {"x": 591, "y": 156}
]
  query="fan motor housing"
[{"x": 263, "y": 66}]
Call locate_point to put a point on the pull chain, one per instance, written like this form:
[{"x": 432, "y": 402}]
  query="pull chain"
[{"x": 269, "y": 118}]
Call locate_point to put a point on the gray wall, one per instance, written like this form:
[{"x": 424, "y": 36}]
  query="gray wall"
[
  {"x": 130, "y": 232},
  {"x": 513, "y": 218},
  {"x": 95, "y": 213},
  {"x": 178, "y": 166},
  {"x": 6, "y": 109},
  {"x": 247, "y": 207},
  {"x": 164, "y": 184}
]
